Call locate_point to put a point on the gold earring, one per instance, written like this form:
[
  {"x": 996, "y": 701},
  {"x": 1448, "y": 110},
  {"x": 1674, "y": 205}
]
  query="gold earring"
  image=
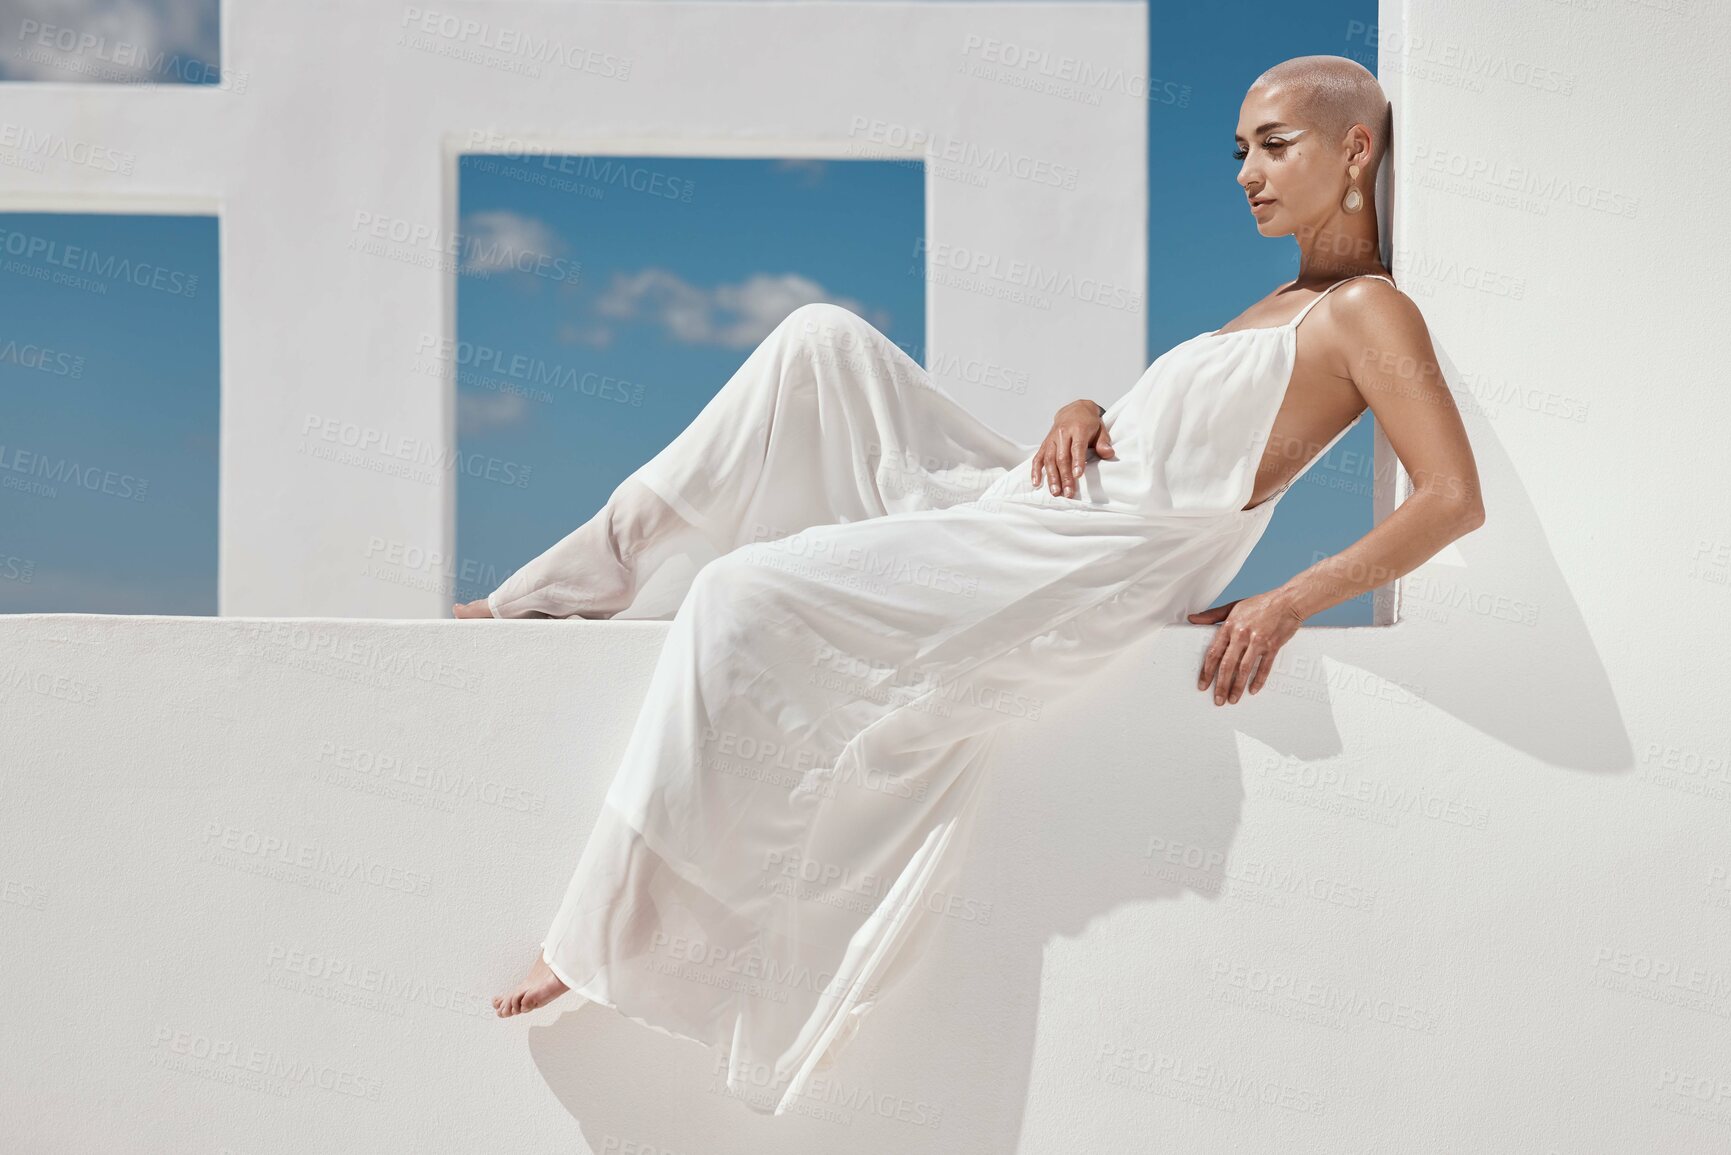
[{"x": 1354, "y": 200}]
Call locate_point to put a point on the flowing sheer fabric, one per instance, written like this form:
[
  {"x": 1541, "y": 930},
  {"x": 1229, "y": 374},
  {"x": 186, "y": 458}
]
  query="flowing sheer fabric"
[{"x": 864, "y": 586}]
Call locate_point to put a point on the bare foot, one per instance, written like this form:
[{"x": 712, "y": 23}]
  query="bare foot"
[
  {"x": 592, "y": 571},
  {"x": 540, "y": 988}
]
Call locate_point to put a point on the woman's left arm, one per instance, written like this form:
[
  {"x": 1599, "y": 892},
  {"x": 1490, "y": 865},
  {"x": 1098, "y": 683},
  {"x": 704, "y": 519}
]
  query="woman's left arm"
[{"x": 1386, "y": 350}]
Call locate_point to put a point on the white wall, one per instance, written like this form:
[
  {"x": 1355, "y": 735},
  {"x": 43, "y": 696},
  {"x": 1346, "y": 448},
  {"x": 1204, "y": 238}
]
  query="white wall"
[
  {"x": 331, "y": 155},
  {"x": 1458, "y": 884}
]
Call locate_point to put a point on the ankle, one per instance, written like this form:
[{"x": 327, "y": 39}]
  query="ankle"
[{"x": 636, "y": 518}]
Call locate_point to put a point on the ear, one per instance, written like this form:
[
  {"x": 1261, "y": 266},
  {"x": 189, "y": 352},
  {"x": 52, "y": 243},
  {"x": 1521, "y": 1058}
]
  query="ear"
[{"x": 1359, "y": 146}]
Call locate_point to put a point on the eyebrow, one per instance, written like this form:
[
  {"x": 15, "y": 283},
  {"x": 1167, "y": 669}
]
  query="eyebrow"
[{"x": 1262, "y": 128}]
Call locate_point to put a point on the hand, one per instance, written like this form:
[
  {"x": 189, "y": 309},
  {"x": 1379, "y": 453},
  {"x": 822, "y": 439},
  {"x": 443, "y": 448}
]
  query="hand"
[
  {"x": 1077, "y": 427},
  {"x": 1254, "y": 629}
]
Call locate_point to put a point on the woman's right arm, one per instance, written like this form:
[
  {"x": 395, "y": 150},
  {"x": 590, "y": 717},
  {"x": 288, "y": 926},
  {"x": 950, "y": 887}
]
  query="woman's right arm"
[{"x": 1077, "y": 428}]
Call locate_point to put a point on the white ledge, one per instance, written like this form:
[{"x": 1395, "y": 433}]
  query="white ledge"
[{"x": 184, "y": 798}]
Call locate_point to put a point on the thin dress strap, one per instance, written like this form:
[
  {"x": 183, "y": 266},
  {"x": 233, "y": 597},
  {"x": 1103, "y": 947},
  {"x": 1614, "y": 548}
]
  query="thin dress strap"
[
  {"x": 1318, "y": 298},
  {"x": 1267, "y": 503}
]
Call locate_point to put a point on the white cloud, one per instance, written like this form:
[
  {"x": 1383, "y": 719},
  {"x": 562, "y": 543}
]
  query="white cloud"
[
  {"x": 481, "y": 411},
  {"x": 811, "y": 169},
  {"x": 135, "y": 40},
  {"x": 507, "y": 242},
  {"x": 737, "y": 315}
]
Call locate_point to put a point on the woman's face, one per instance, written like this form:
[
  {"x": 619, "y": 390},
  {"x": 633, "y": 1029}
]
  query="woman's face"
[{"x": 1291, "y": 178}]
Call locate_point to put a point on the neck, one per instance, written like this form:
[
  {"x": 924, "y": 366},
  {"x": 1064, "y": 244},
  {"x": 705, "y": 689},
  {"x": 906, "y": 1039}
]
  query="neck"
[{"x": 1344, "y": 245}]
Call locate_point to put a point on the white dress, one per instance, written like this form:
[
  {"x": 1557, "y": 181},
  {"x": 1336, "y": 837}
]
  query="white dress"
[{"x": 880, "y": 587}]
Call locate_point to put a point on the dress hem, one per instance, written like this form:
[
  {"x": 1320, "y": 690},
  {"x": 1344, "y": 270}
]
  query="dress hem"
[{"x": 789, "y": 1096}]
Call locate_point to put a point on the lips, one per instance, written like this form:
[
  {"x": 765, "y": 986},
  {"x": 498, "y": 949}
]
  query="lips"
[{"x": 1260, "y": 201}]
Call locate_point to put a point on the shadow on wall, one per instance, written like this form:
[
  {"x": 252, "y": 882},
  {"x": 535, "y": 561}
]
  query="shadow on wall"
[
  {"x": 1363, "y": 888},
  {"x": 334, "y": 840}
]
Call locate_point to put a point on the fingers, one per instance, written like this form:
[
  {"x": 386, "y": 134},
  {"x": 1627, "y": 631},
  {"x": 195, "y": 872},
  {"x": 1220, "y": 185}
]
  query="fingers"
[
  {"x": 1229, "y": 667},
  {"x": 1262, "y": 670},
  {"x": 1103, "y": 444},
  {"x": 1211, "y": 660},
  {"x": 1240, "y": 659},
  {"x": 1248, "y": 664},
  {"x": 1062, "y": 459},
  {"x": 1046, "y": 463},
  {"x": 1243, "y": 663},
  {"x": 1055, "y": 462}
]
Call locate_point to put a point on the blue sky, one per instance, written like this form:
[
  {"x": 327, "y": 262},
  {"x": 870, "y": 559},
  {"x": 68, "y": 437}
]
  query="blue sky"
[
  {"x": 656, "y": 277},
  {"x": 98, "y": 41},
  {"x": 108, "y": 413},
  {"x": 758, "y": 237},
  {"x": 1206, "y": 261}
]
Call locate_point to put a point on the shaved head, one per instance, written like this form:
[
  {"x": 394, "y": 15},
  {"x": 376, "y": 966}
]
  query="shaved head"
[{"x": 1332, "y": 93}]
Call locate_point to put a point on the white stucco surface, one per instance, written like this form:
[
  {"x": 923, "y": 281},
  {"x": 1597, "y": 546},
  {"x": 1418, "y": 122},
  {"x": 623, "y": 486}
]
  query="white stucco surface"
[
  {"x": 330, "y": 154},
  {"x": 1459, "y": 884}
]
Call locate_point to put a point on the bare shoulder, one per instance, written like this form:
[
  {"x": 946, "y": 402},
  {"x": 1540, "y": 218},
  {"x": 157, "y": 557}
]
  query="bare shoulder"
[
  {"x": 1368, "y": 322},
  {"x": 1385, "y": 351},
  {"x": 1371, "y": 303}
]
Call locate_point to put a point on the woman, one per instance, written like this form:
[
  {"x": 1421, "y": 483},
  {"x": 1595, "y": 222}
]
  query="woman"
[{"x": 895, "y": 579}]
